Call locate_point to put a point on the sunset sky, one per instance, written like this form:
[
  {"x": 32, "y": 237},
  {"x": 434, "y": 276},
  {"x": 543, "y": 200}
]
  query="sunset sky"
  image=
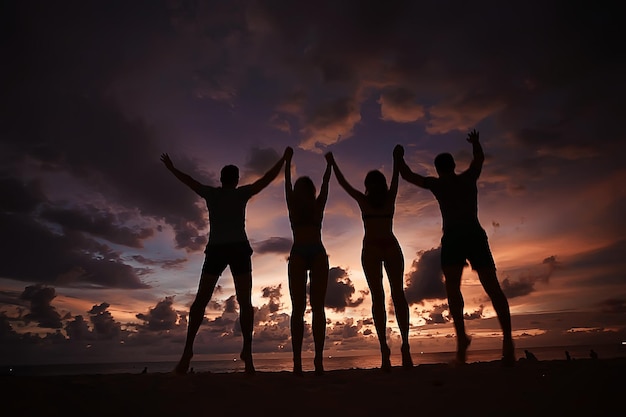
[{"x": 102, "y": 246}]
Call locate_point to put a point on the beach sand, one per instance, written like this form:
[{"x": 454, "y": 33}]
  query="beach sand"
[{"x": 556, "y": 388}]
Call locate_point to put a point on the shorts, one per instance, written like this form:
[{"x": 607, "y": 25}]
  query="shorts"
[
  {"x": 236, "y": 255},
  {"x": 466, "y": 244}
]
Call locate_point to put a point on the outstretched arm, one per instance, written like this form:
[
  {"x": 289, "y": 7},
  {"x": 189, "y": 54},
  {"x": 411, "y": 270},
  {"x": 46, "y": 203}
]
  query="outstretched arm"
[
  {"x": 393, "y": 187},
  {"x": 269, "y": 176},
  {"x": 404, "y": 170},
  {"x": 357, "y": 195},
  {"x": 288, "y": 185},
  {"x": 477, "y": 150},
  {"x": 184, "y": 178},
  {"x": 323, "y": 196}
]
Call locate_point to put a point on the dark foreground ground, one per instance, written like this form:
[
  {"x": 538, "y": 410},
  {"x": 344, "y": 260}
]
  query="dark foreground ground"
[{"x": 546, "y": 388}]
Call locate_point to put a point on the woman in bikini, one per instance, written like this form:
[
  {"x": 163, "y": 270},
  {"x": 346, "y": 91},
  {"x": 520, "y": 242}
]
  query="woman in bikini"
[
  {"x": 381, "y": 249},
  {"x": 307, "y": 255}
]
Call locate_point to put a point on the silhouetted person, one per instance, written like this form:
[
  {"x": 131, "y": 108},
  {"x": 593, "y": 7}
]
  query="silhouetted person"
[
  {"x": 567, "y": 356},
  {"x": 307, "y": 255},
  {"x": 593, "y": 354},
  {"x": 228, "y": 246},
  {"x": 463, "y": 239},
  {"x": 381, "y": 249},
  {"x": 145, "y": 370},
  {"x": 530, "y": 356}
]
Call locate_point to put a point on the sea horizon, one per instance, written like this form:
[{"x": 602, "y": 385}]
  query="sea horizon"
[{"x": 269, "y": 362}]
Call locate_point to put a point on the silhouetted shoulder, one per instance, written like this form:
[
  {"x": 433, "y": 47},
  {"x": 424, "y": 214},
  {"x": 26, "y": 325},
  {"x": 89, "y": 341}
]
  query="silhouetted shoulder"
[
  {"x": 430, "y": 182},
  {"x": 206, "y": 190}
]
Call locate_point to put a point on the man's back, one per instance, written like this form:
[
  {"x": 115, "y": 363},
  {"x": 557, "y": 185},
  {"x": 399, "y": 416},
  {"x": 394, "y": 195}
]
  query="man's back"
[
  {"x": 458, "y": 198},
  {"x": 227, "y": 213}
]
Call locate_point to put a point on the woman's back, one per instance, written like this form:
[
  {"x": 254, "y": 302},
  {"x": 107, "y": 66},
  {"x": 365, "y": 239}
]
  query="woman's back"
[{"x": 306, "y": 221}]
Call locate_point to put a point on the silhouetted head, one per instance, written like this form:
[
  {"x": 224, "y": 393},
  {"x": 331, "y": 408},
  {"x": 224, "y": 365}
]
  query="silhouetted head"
[
  {"x": 304, "y": 188},
  {"x": 229, "y": 176},
  {"x": 376, "y": 188},
  {"x": 444, "y": 163}
]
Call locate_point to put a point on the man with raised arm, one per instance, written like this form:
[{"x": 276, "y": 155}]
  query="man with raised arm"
[
  {"x": 463, "y": 240},
  {"x": 228, "y": 246}
]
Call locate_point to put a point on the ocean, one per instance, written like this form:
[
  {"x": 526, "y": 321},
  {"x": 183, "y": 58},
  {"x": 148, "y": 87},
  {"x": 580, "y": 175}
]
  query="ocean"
[{"x": 283, "y": 363}]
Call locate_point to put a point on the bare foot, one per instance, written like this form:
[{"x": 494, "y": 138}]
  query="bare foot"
[
  {"x": 407, "y": 360},
  {"x": 386, "y": 359},
  {"x": 319, "y": 366},
  {"x": 182, "y": 366},
  {"x": 461, "y": 348},
  {"x": 247, "y": 359},
  {"x": 297, "y": 367},
  {"x": 508, "y": 354}
]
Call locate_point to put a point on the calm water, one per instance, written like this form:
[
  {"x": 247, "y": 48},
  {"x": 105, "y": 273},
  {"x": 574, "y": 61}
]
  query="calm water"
[{"x": 268, "y": 363}]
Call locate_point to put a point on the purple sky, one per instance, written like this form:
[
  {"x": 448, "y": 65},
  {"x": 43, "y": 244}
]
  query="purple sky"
[{"x": 102, "y": 246}]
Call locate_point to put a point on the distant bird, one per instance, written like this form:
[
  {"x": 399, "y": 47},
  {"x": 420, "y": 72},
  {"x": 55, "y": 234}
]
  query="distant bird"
[{"x": 530, "y": 356}]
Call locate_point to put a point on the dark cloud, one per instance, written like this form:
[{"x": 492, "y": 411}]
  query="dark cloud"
[
  {"x": 475, "y": 315},
  {"x": 274, "y": 294},
  {"x": 6, "y": 330},
  {"x": 41, "y": 309},
  {"x": 167, "y": 264},
  {"x": 260, "y": 160},
  {"x": 104, "y": 325},
  {"x": 99, "y": 223},
  {"x": 162, "y": 317},
  {"x": 340, "y": 290},
  {"x": 230, "y": 305},
  {"x": 425, "y": 279},
  {"x": 19, "y": 197},
  {"x": 437, "y": 316},
  {"x": 68, "y": 130},
  {"x": 70, "y": 259},
  {"x": 518, "y": 288},
  {"x": 78, "y": 329},
  {"x": 524, "y": 284},
  {"x": 280, "y": 245}
]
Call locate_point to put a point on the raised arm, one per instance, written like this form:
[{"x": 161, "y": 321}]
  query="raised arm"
[
  {"x": 477, "y": 151},
  {"x": 323, "y": 195},
  {"x": 269, "y": 176},
  {"x": 184, "y": 178},
  {"x": 357, "y": 195},
  {"x": 393, "y": 186},
  {"x": 288, "y": 185},
  {"x": 404, "y": 170}
]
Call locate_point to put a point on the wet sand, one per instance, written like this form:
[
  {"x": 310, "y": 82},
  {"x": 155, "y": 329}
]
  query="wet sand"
[{"x": 554, "y": 388}]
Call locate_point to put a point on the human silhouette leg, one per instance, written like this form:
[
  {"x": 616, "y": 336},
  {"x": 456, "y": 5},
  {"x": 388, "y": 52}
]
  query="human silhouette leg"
[
  {"x": 243, "y": 289},
  {"x": 395, "y": 272},
  {"x": 319, "y": 283},
  {"x": 489, "y": 280},
  {"x": 297, "y": 290},
  {"x": 455, "y": 303},
  {"x": 374, "y": 275},
  {"x": 196, "y": 315}
]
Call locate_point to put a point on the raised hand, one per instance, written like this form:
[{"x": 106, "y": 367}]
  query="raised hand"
[
  {"x": 472, "y": 137},
  {"x": 165, "y": 158},
  {"x": 288, "y": 153},
  {"x": 398, "y": 152}
]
